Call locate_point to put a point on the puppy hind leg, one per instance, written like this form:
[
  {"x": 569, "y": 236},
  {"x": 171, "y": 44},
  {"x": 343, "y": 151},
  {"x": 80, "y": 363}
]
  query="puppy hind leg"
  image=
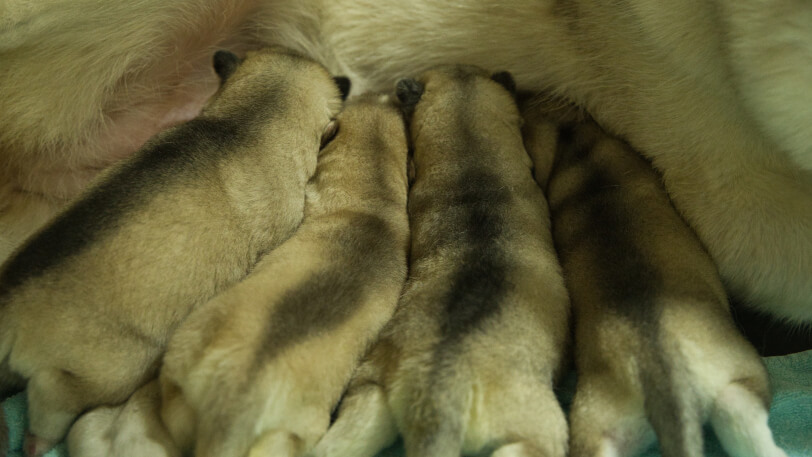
[
  {"x": 303, "y": 427},
  {"x": 364, "y": 425},
  {"x": 55, "y": 399},
  {"x": 739, "y": 418},
  {"x": 675, "y": 417},
  {"x": 277, "y": 443},
  {"x": 133, "y": 429},
  {"x": 177, "y": 415},
  {"x": 607, "y": 420},
  {"x": 540, "y": 423}
]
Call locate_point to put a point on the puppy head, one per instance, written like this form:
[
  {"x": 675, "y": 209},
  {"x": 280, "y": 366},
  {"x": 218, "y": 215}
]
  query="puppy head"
[
  {"x": 457, "y": 88},
  {"x": 372, "y": 142},
  {"x": 373, "y": 122},
  {"x": 549, "y": 119},
  {"x": 276, "y": 83},
  {"x": 453, "y": 100}
]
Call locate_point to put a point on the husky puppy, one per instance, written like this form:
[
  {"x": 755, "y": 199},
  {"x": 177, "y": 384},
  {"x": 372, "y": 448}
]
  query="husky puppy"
[
  {"x": 468, "y": 362},
  {"x": 84, "y": 82},
  {"x": 656, "y": 347},
  {"x": 257, "y": 370},
  {"x": 88, "y": 303}
]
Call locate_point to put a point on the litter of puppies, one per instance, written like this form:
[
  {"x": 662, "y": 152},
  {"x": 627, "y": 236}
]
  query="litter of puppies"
[{"x": 261, "y": 261}]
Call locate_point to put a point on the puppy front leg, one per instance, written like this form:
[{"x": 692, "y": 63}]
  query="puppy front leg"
[{"x": 364, "y": 427}]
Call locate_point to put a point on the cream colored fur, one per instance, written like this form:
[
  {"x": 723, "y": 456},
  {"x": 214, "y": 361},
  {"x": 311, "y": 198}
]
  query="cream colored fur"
[
  {"x": 133, "y": 429},
  {"x": 715, "y": 93},
  {"x": 655, "y": 345},
  {"x": 88, "y": 304},
  {"x": 257, "y": 370},
  {"x": 468, "y": 362}
]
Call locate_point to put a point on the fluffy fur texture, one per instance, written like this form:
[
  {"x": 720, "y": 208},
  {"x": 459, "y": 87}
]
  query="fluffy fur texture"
[
  {"x": 655, "y": 345},
  {"x": 111, "y": 277},
  {"x": 257, "y": 370},
  {"x": 468, "y": 362},
  {"x": 716, "y": 94}
]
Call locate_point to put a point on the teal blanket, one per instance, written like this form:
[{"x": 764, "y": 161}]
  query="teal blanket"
[{"x": 790, "y": 416}]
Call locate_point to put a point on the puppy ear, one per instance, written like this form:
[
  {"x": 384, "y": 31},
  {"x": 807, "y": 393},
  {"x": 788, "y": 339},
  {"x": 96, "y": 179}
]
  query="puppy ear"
[
  {"x": 330, "y": 131},
  {"x": 409, "y": 92},
  {"x": 225, "y": 62},
  {"x": 506, "y": 80},
  {"x": 344, "y": 85}
]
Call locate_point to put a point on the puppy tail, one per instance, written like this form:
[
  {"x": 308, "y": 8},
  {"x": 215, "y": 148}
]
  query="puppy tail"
[
  {"x": 673, "y": 410},
  {"x": 438, "y": 417}
]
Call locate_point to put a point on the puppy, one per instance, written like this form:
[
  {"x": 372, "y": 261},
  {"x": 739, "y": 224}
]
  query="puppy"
[
  {"x": 88, "y": 303},
  {"x": 468, "y": 362},
  {"x": 656, "y": 347},
  {"x": 257, "y": 370}
]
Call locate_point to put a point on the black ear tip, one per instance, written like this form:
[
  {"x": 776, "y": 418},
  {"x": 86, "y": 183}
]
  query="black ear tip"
[
  {"x": 225, "y": 62},
  {"x": 506, "y": 80},
  {"x": 409, "y": 91},
  {"x": 344, "y": 84}
]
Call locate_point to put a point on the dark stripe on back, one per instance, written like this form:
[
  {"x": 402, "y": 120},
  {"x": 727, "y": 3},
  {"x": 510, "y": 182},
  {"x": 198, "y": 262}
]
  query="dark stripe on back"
[
  {"x": 479, "y": 283},
  {"x": 363, "y": 251},
  {"x": 627, "y": 281},
  {"x": 182, "y": 154}
]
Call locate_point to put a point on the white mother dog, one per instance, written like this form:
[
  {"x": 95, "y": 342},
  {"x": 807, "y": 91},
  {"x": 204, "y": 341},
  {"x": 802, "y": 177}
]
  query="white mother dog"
[{"x": 718, "y": 94}]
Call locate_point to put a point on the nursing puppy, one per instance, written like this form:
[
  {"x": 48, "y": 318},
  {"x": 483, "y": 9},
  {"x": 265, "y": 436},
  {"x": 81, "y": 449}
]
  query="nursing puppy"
[
  {"x": 88, "y": 303},
  {"x": 257, "y": 370},
  {"x": 467, "y": 363},
  {"x": 656, "y": 347},
  {"x": 84, "y": 82}
]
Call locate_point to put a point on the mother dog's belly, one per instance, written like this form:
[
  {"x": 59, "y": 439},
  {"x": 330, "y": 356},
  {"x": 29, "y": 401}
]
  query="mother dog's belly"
[{"x": 108, "y": 80}]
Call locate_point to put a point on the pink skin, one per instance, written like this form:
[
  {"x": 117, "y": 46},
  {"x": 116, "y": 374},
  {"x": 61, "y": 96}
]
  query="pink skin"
[{"x": 128, "y": 129}]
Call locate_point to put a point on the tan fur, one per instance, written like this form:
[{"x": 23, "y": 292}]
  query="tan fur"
[
  {"x": 85, "y": 81},
  {"x": 257, "y": 370},
  {"x": 89, "y": 302},
  {"x": 128, "y": 430},
  {"x": 468, "y": 362},
  {"x": 655, "y": 342}
]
